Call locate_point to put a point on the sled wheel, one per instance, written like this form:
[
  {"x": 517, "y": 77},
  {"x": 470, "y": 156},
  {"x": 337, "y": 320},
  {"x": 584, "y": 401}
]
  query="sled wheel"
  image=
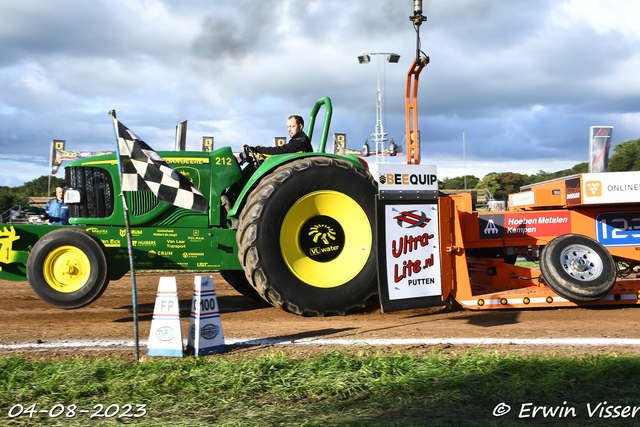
[
  {"x": 578, "y": 268},
  {"x": 239, "y": 282},
  {"x": 306, "y": 237},
  {"x": 68, "y": 268}
]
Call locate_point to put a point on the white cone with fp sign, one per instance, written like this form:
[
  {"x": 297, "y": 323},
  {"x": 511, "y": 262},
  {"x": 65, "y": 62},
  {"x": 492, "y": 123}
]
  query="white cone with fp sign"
[
  {"x": 408, "y": 236},
  {"x": 165, "y": 337}
]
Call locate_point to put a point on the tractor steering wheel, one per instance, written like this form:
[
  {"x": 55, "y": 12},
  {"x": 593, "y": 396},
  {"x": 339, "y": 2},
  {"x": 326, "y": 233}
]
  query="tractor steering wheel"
[{"x": 253, "y": 157}]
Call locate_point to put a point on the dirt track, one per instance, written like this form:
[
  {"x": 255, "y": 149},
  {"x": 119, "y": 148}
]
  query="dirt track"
[{"x": 26, "y": 319}]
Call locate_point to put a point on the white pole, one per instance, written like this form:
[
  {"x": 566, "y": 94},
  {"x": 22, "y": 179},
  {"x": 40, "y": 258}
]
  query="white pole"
[
  {"x": 464, "y": 160},
  {"x": 379, "y": 131}
]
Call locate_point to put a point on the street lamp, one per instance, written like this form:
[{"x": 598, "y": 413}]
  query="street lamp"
[{"x": 379, "y": 135}]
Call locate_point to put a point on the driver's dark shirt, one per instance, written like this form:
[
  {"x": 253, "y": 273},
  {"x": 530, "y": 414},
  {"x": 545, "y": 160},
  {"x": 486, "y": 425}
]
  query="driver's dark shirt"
[{"x": 298, "y": 144}]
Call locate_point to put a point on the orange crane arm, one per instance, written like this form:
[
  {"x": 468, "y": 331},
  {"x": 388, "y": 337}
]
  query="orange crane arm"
[
  {"x": 411, "y": 111},
  {"x": 411, "y": 97}
]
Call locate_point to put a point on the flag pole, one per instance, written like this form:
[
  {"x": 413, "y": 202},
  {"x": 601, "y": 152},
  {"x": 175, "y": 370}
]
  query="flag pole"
[{"x": 112, "y": 113}]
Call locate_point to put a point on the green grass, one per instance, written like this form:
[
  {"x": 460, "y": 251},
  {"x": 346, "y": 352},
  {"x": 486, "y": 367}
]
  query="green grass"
[
  {"x": 528, "y": 264},
  {"x": 337, "y": 388}
]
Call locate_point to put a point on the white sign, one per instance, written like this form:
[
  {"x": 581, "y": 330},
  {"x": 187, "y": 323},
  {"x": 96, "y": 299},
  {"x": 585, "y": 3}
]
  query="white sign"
[
  {"x": 610, "y": 187},
  {"x": 401, "y": 177},
  {"x": 522, "y": 199},
  {"x": 412, "y": 250}
]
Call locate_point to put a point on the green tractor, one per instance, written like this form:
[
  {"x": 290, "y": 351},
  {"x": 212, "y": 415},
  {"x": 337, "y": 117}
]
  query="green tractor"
[{"x": 295, "y": 230}]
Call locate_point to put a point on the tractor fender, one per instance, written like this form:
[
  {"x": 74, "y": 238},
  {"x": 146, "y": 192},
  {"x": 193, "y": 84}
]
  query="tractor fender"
[{"x": 274, "y": 162}]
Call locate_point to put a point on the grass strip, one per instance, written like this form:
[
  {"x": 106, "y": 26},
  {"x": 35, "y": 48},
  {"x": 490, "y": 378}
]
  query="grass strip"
[{"x": 335, "y": 388}]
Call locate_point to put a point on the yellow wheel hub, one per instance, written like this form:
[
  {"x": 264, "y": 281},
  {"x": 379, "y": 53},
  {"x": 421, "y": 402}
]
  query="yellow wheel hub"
[
  {"x": 326, "y": 239},
  {"x": 66, "y": 269}
]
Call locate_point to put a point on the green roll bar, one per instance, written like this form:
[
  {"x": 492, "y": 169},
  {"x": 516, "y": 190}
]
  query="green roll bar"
[{"x": 325, "y": 126}]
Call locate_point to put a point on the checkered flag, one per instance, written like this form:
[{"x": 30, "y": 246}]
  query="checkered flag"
[{"x": 144, "y": 170}]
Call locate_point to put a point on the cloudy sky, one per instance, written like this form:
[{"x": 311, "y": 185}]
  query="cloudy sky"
[{"x": 524, "y": 80}]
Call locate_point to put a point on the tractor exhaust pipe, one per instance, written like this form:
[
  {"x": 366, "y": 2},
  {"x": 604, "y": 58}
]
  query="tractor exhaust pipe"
[{"x": 181, "y": 136}]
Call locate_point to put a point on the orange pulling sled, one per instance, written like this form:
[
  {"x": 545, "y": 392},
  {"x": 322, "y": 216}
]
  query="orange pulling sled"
[{"x": 586, "y": 226}]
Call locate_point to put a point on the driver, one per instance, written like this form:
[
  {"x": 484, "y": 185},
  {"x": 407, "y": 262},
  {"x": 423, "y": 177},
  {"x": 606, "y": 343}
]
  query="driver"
[{"x": 299, "y": 142}]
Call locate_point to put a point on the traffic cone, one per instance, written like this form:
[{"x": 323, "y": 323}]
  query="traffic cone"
[
  {"x": 165, "y": 336},
  {"x": 205, "y": 329}
]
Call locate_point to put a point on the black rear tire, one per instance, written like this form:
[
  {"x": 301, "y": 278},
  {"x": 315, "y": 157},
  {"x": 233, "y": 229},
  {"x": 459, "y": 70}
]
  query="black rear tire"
[
  {"x": 578, "y": 268},
  {"x": 306, "y": 237},
  {"x": 68, "y": 268}
]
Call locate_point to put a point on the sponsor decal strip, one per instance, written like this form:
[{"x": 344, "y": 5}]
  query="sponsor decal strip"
[{"x": 536, "y": 224}]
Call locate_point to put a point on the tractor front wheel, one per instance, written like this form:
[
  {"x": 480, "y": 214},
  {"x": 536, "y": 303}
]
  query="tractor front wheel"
[{"x": 68, "y": 268}]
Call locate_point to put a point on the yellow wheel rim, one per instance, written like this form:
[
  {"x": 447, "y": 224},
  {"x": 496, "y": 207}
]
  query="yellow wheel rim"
[
  {"x": 326, "y": 239},
  {"x": 66, "y": 269}
]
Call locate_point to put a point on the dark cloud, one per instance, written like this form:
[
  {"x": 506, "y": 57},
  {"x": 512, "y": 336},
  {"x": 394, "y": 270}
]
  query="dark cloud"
[
  {"x": 516, "y": 76},
  {"x": 238, "y": 33},
  {"x": 32, "y": 30}
]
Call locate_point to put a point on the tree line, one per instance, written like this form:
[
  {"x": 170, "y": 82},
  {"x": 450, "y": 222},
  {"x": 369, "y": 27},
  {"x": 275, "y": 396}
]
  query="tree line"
[
  {"x": 39, "y": 187},
  {"x": 626, "y": 157}
]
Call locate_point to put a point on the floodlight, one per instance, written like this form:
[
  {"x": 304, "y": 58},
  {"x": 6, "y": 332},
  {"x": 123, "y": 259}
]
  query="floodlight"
[
  {"x": 393, "y": 58},
  {"x": 379, "y": 135}
]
